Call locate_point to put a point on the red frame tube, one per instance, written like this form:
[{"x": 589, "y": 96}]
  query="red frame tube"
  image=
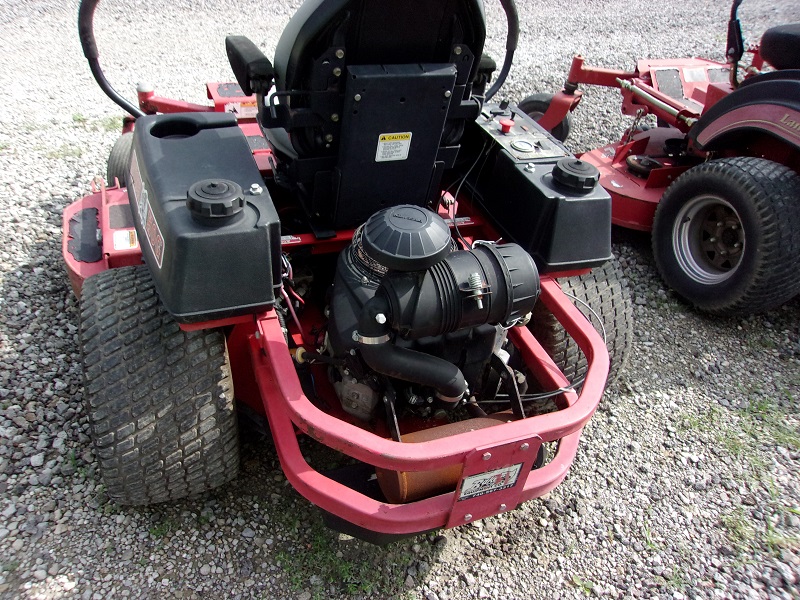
[{"x": 288, "y": 408}]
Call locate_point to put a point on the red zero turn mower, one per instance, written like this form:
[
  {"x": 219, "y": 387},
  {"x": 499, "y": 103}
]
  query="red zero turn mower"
[
  {"x": 717, "y": 181},
  {"x": 322, "y": 244}
]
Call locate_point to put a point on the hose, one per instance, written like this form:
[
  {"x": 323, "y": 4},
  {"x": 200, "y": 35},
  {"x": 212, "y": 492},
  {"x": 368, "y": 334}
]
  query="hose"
[
  {"x": 89, "y": 45},
  {"x": 403, "y": 363},
  {"x": 510, "y": 8}
]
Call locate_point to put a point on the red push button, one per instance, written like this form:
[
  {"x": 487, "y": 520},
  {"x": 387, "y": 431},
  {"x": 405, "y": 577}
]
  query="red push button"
[{"x": 506, "y": 125}]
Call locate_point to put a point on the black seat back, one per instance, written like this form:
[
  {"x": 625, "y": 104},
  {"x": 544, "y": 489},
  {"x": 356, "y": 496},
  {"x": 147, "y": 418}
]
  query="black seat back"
[
  {"x": 780, "y": 46},
  {"x": 373, "y": 95}
]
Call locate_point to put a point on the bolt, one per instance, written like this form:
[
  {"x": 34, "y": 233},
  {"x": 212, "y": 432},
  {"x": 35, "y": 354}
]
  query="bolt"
[
  {"x": 712, "y": 239},
  {"x": 335, "y": 117},
  {"x": 258, "y": 335},
  {"x": 719, "y": 223},
  {"x": 723, "y": 252},
  {"x": 735, "y": 226},
  {"x": 447, "y": 93},
  {"x": 337, "y": 72},
  {"x": 355, "y": 336},
  {"x": 737, "y": 245},
  {"x": 364, "y": 280},
  {"x": 340, "y": 53},
  {"x": 380, "y": 318},
  {"x": 255, "y": 189},
  {"x": 329, "y": 138},
  {"x": 357, "y": 97},
  {"x": 457, "y": 50},
  {"x": 524, "y": 446},
  {"x": 468, "y": 517},
  {"x": 487, "y": 455},
  {"x": 503, "y": 507},
  {"x": 354, "y": 405}
]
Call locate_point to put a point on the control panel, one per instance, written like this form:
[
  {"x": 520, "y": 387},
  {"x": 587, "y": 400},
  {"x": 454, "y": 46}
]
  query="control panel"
[{"x": 518, "y": 134}]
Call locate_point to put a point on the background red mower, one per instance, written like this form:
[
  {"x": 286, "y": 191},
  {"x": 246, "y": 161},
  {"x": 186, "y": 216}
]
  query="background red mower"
[
  {"x": 321, "y": 245},
  {"x": 717, "y": 180}
]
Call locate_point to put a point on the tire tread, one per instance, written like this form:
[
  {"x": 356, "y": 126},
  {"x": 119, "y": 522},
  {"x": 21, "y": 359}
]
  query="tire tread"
[{"x": 158, "y": 398}]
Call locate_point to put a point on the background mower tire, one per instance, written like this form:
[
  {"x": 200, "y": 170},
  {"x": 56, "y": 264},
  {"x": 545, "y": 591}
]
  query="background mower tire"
[
  {"x": 536, "y": 105},
  {"x": 159, "y": 400},
  {"x": 726, "y": 235},
  {"x": 119, "y": 159},
  {"x": 603, "y": 291}
]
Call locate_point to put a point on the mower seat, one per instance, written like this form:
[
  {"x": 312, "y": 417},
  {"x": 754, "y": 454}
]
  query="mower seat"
[
  {"x": 371, "y": 99},
  {"x": 780, "y": 46}
]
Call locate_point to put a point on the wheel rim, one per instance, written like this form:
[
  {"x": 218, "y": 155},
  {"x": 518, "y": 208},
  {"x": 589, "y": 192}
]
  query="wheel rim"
[{"x": 708, "y": 239}]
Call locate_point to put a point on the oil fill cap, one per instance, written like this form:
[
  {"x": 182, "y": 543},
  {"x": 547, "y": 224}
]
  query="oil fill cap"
[
  {"x": 214, "y": 199},
  {"x": 576, "y": 174}
]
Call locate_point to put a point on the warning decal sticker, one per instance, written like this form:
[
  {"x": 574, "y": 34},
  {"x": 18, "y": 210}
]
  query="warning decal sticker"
[
  {"x": 243, "y": 110},
  {"x": 153, "y": 233},
  {"x": 125, "y": 239},
  {"x": 393, "y": 146},
  {"x": 146, "y": 217}
]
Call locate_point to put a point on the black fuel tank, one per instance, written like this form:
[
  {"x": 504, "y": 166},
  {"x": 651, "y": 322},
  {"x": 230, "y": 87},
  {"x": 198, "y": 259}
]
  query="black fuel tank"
[{"x": 207, "y": 226}]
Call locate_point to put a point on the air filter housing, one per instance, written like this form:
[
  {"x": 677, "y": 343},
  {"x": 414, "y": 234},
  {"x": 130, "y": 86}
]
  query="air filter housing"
[{"x": 406, "y": 238}]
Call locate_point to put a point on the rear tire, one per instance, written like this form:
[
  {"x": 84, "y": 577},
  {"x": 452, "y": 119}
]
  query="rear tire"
[
  {"x": 536, "y": 105},
  {"x": 119, "y": 160},
  {"x": 603, "y": 291},
  {"x": 160, "y": 400},
  {"x": 726, "y": 235}
]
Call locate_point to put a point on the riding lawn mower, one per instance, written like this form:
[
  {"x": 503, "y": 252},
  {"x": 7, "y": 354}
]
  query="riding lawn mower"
[
  {"x": 717, "y": 181},
  {"x": 356, "y": 243}
]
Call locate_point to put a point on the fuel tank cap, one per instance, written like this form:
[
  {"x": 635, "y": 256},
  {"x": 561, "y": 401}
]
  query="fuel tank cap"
[
  {"x": 576, "y": 174},
  {"x": 212, "y": 199}
]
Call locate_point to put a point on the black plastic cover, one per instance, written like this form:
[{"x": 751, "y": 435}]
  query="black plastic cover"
[
  {"x": 390, "y": 149},
  {"x": 253, "y": 70},
  {"x": 780, "y": 46},
  {"x": 561, "y": 228},
  {"x": 406, "y": 238},
  {"x": 203, "y": 269}
]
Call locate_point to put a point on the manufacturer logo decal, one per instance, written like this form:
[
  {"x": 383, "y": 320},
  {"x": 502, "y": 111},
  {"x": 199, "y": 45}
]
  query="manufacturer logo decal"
[
  {"x": 491, "y": 481},
  {"x": 789, "y": 122}
]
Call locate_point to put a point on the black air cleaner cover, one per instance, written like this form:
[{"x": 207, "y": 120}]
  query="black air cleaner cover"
[
  {"x": 212, "y": 248},
  {"x": 406, "y": 238}
]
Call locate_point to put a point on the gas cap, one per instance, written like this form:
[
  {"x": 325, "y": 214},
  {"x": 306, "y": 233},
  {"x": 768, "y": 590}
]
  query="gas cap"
[
  {"x": 576, "y": 174},
  {"x": 214, "y": 199}
]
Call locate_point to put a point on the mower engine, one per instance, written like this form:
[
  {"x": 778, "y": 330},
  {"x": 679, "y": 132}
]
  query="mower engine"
[{"x": 419, "y": 311}]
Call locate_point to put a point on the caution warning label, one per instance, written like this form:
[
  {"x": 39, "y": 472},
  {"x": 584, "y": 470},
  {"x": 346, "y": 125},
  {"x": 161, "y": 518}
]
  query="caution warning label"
[{"x": 393, "y": 146}]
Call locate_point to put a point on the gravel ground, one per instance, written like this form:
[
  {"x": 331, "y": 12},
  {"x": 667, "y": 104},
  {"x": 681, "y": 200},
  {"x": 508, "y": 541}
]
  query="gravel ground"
[{"x": 686, "y": 483}]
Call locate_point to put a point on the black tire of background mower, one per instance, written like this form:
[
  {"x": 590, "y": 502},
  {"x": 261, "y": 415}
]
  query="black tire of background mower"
[
  {"x": 601, "y": 289},
  {"x": 119, "y": 159},
  {"x": 536, "y": 105},
  {"x": 766, "y": 196},
  {"x": 159, "y": 400}
]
